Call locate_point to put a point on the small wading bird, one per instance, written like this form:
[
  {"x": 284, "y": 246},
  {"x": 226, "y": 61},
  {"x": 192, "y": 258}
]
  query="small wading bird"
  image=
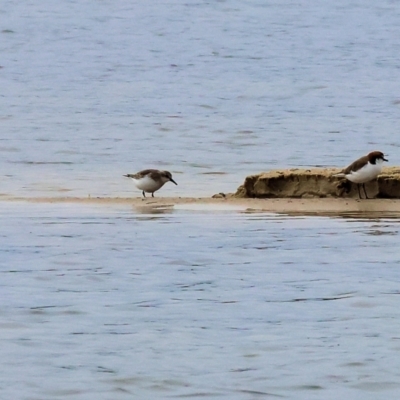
[
  {"x": 363, "y": 170},
  {"x": 150, "y": 180}
]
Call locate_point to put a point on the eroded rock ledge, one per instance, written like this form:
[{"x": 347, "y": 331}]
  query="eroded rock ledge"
[{"x": 316, "y": 183}]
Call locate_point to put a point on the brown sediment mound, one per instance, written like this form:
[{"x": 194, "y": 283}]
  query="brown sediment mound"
[{"x": 316, "y": 183}]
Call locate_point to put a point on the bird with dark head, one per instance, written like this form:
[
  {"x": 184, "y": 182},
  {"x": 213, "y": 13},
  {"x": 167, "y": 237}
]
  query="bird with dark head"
[{"x": 364, "y": 170}]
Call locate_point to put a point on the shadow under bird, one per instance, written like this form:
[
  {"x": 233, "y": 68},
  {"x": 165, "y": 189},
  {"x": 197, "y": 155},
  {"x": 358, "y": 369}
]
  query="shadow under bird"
[
  {"x": 150, "y": 180},
  {"x": 363, "y": 170}
]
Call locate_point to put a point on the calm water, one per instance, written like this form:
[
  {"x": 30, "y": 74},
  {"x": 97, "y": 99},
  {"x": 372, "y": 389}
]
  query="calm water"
[
  {"x": 92, "y": 90},
  {"x": 116, "y": 303},
  {"x": 102, "y": 303}
]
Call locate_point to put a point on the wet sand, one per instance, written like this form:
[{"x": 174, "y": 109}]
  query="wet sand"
[{"x": 390, "y": 207}]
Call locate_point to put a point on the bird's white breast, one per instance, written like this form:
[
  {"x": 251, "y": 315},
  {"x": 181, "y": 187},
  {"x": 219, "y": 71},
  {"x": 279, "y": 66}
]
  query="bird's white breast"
[
  {"x": 367, "y": 173},
  {"x": 147, "y": 184}
]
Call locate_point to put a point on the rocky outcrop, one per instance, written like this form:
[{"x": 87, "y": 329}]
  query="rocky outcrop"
[{"x": 316, "y": 183}]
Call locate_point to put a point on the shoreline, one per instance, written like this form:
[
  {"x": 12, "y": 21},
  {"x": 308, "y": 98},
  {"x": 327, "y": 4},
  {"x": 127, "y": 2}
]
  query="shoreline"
[{"x": 314, "y": 206}]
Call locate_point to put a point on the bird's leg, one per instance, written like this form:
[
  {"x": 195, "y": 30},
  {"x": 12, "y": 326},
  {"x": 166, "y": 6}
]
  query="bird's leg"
[
  {"x": 143, "y": 194},
  {"x": 359, "y": 193},
  {"x": 366, "y": 196},
  {"x": 152, "y": 195}
]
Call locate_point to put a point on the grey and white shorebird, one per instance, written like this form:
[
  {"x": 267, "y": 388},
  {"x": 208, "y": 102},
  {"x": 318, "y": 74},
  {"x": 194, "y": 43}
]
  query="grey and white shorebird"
[
  {"x": 150, "y": 180},
  {"x": 364, "y": 170}
]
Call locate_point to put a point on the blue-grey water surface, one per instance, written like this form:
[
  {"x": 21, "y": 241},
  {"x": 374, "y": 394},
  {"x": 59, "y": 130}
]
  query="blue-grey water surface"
[
  {"x": 212, "y": 91},
  {"x": 102, "y": 303},
  {"x": 109, "y": 302}
]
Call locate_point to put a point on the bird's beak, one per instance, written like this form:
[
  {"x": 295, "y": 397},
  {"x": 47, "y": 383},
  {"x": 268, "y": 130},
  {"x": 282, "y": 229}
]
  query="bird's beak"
[
  {"x": 384, "y": 159},
  {"x": 173, "y": 181}
]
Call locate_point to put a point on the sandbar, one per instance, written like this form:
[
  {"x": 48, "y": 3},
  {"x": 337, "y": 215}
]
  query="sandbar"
[{"x": 314, "y": 206}]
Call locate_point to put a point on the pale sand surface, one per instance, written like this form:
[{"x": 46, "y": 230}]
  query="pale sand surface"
[{"x": 386, "y": 207}]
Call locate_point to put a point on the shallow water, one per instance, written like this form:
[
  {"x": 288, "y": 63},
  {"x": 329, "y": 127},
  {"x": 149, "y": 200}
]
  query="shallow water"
[{"x": 104, "y": 303}]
